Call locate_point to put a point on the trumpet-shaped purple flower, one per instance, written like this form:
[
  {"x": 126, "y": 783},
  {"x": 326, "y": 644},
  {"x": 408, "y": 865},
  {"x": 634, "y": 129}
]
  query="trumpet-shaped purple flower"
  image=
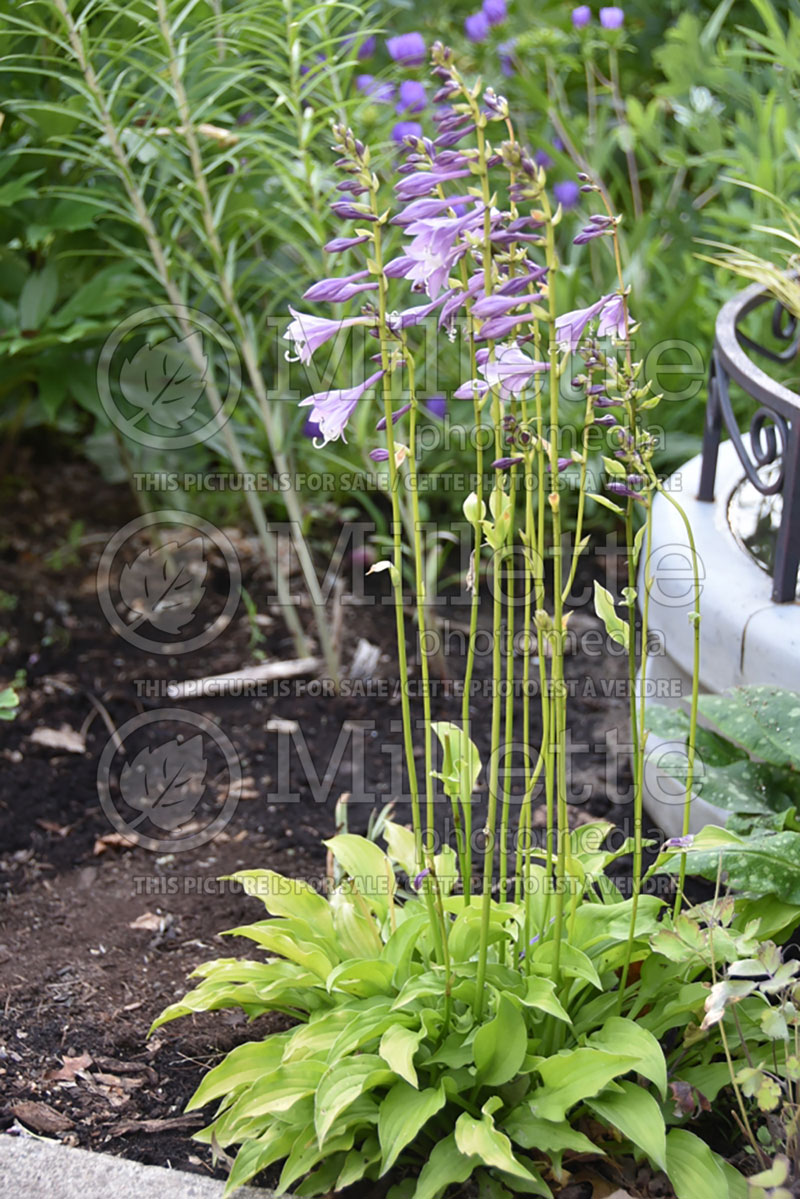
[
  {"x": 612, "y": 17},
  {"x": 401, "y": 411},
  {"x": 338, "y": 244},
  {"x": 332, "y": 409},
  {"x": 476, "y": 27},
  {"x": 308, "y": 333},
  {"x": 422, "y": 183},
  {"x": 470, "y": 389},
  {"x": 407, "y": 48},
  {"x": 581, "y": 16},
  {"x": 435, "y": 248},
  {"x": 379, "y": 455},
  {"x": 570, "y": 326},
  {"x": 495, "y": 11},
  {"x": 511, "y": 370},
  {"x": 437, "y": 406},
  {"x": 352, "y": 212},
  {"x": 419, "y": 210},
  {"x": 506, "y": 463},
  {"x": 411, "y": 96},
  {"x": 612, "y": 319},
  {"x": 336, "y": 291}
]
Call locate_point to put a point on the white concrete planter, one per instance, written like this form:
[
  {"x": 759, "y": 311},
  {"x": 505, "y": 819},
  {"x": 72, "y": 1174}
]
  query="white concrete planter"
[{"x": 745, "y": 637}]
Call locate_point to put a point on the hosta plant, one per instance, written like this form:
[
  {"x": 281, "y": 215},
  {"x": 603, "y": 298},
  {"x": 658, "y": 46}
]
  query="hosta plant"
[{"x": 475, "y": 1025}]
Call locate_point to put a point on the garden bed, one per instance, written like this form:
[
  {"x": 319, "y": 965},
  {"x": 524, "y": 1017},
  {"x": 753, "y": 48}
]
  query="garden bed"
[{"x": 98, "y": 937}]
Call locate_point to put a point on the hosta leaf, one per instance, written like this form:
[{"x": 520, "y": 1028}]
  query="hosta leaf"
[
  {"x": 368, "y": 867},
  {"x": 404, "y": 1111},
  {"x": 637, "y": 1116},
  {"x": 540, "y": 994},
  {"x": 617, "y": 628},
  {"x": 446, "y": 1165},
  {"x": 255, "y": 1156},
  {"x": 306, "y": 1153},
  {"x": 574, "y": 1075},
  {"x": 574, "y": 962},
  {"x": 481, "y": 1139},
  {"x": 243, "y": 1065},
  {"x": 545, "y": 1136},
  {"x": 500, "y": 1045},
  {"x": 761, "y": 719},
  {"x": 367, "y": 1025},
  {"x": 397, "y": 1048},
  {"x": 342, "y": 1084},
  {"x": 692, "y": 1168},
  {"x": 356, "y": 932},
  {"x": 362, "y": 978},
  {"x": 283, "y": 896},
  {"x": 357, "y": 1162},
  {"x": 293, "y": 939},
  {"x": 619, "y": 1035},
  {"x": 761, "y": 865},
  {"x": 278, "y": 1090},
  {"x": 401, "y": 846}
]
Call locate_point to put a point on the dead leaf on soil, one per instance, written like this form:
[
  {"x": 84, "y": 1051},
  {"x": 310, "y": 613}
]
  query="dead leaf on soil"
[
  {"x": 40, "y": 1116},
  {"x": 163, "y": 1125},
  {"x": 113, "y": 841},
  {"x": 52, "y": 826},
  {"x": 71, "y": 1066},
  {"x": 64, "y": 738},
  {"x": 150, "y": 921}
]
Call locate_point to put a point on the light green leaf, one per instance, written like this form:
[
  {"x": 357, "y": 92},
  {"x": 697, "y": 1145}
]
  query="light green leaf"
[
  {"x": 446, "y": 1165},
  {"x": 500, "y": 1045},
  {"x": 362, "y": 978},
  {"x": 616, "y": 627},
  {"x": 404, "y": 1111},
  {"x": 540, "y": 994},
  {"x": 342, "y": 1084},
  {"x": 619, "y": 1035},
  {"x": 480, "y": 1138},
  {"x": 692, "y": 1168},
  {"x": 397, "y": 1048},
  {"x": 638, "y": 1117},
  {"x": 283, "y": 896},
  {"x": 368, "y": 867},
  {"x": 574, "y": 1075}
]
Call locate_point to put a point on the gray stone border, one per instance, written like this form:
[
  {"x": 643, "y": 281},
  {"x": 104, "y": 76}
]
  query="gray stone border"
[{"x": 36, "y": 1168}]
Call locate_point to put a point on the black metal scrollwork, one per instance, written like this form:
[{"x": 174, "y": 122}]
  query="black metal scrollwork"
[{"x": 774, "y": 428}]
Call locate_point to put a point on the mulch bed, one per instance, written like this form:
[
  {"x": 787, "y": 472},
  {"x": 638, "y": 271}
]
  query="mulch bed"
[{"x": 98, "y": 936}]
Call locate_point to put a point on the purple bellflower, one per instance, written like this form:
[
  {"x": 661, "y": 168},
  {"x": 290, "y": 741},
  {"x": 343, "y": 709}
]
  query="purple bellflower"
[
  {"x": 476, "y": 27},
  {"x": 568, "y": 193},
  {"x": 332, "y": 409},
  {"x": 308, "y": 333},
  {"x": 403, "y": 129},
  {"x": 581, "y": 16},
  {"x": 612, "y": 17},
  {"x": 411, "y": 96},
  {"x": 408, "y": 49},
  {"x": 495, "y": 11},
  {"x": 378, "y": 90},
  {"x": 505, "y": 52}
]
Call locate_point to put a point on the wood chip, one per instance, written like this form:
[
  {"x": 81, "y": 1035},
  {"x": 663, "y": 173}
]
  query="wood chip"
[
  {"x": 150, "y": 921},
  {"x": 165, "y": 1125},
  {"x": 41, "y": 1117},
  {"x": 65, "y": 739},
  {"x": 221, "y": 684},
  {"x": 113, "y": 841}
]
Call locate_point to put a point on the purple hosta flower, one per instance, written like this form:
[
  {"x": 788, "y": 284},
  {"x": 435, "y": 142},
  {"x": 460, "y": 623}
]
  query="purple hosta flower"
[
  {"x": 352, "y": 212},
  {"x": 581, "y": 16},
  {"x": 612, "y": 18},
  {"x": 423, "y": 874},
  {"x": 562, "y": 464},
  {"x": 437, "y": 406},
  {"x": 451, "y": 137},
  {"x": 378, "y": 90},
  {"x": 458, "y": 298},
  {"x": 339, "y": 244},
  {"x": 612, "y": 319},
  {"x": 420, "y": 210},
  {"x": 490, "y": 306},
  {"x": 472, "y": 387},
  {"x": 570, "y": 326},
  {"x": 678, "y": 842},
  {"x": 311, "y": 430},
  {"x": 422, "y": 183},
  {"x": 511, "y": 370},
  {"x": 476, "y": 27},
  {"x": 622, "y": 489},
  {"x": 520, "y": 283},
  {"x": 308, "y": 333},
  {"x": 367, "y": 48},
  {"x": 605, "y": 402},
  {"x": 505, "y": 52},
  {"x": 495, "y": 11},
  {"x": 413, "y": 316},
  {"x": 403, "y": 129},
  {"x": 608, "y": 421},
  {"x": 499, "y": 327},
  {"x": 598, "y": 226},
  {"x": 379, "y": 455},
  {"x": 506, "y": 463},
  {"x": 435, "y": 248},
  {"x": 336, "y": 291},
  {"x": 398, "y": 268},
  {"x": 411, "y": 96},
  {"x": 568, "y": 193},
  {"x": 395, "y": 417},
  {"x": 332, "y": 409},
  {"x": 408, "y": 49}
]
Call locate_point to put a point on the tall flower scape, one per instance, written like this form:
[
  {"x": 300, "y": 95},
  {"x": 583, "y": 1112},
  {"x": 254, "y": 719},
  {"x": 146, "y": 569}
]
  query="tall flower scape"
[{"x": 454, "y": 1017}]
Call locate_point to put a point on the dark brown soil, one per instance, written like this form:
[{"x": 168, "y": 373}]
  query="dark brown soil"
[{"x": 98, "y": 935}]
